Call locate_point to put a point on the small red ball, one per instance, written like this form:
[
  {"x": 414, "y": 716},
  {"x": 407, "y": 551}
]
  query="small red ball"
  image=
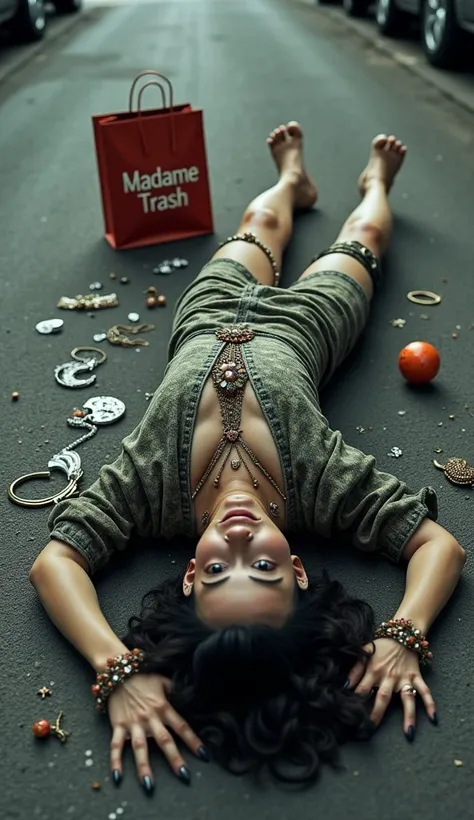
[
  {"x": 41, "y": 728},
  {"x": 419, "y": 362}
]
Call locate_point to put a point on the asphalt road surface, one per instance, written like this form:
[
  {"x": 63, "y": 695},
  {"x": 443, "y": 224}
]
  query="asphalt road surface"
[{"x": 250, "y": 64}]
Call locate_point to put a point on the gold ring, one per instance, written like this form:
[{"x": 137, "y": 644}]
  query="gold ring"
[
  {"x": 424, "y": 297},
  {"x": 67, "y": 492},
  {"x": 77, "y": 350}
]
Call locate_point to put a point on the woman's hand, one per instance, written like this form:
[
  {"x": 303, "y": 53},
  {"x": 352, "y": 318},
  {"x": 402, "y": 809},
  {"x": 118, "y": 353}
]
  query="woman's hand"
[
  {"x": 139, "y": 708},
  {"x": 393, "y": 669}
]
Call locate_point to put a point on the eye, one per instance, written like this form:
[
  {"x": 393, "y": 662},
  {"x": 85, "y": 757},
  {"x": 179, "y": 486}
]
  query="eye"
[
  {"x": 215, "y": 569},
  {"x": 263, "y": 565}
]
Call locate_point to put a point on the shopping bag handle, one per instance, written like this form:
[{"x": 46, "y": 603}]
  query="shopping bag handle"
[
  {"x": 147, "y": 73},
  {"x": 153, "y": 73}
]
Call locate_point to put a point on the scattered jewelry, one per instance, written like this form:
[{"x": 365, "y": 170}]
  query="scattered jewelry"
[
  {"x": 15, "y": 396},
  {"x": 457, "y": 471},
  {"x": 360, "y": 429},
  {"x": 88, "y": 753},
  {"x": 424, "y": 297},
  {"x": 99, "y": 337},
  {"x": 169, "y": 265},
  {"x": 116, "y": 335},
  {"x": 149, "y": 396},
  {"x": 96, "y": 785},
  {"x": 49, "y": 326},
  {"x": 99, "y": 410},
  {"x": 424, "y": 316},
  {"x": 395, "y": 452},
  {"x": 438, "y": 450},
  {"x": 124, "y": 280},
  {"x": 452, "y": 416},
  {"x": 458, "y": 763},
  {"x": 65, "y": 374},
  {"x": 112, "y": 275},
  {"x": 89, "y": 761},
  {"x": 88, "y": 302},
  {"x": 398, "y": 322},
  {"x": 44, "y": 692},
  {"x": 133, "y": 317},
  {"x": 454, "y": 335},
  {"x": 153, "y": 299},
  {"x": 43, "y": 728},
  {"x": 402, "y": 412},
  {"x": 96, "y": 286}
]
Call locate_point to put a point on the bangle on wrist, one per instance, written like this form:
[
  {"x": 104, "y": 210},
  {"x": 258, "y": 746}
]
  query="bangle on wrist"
[
  {"x": 403, "y": 631},
  {"x": 117, "y": 670}
]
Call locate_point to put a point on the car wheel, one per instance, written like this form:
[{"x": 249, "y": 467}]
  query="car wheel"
[
  {"x": 67, "y": 6},
  {"x": 391, "y": 20},
  {"x": 443, "y": 40},
  {"x": 356, "y": 8},
  {"x": 29, "y": 23}
]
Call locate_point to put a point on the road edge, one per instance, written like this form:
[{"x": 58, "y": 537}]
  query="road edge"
[
  {"x": 31, "y": 50},
  {"x": 427, "y": 73}
]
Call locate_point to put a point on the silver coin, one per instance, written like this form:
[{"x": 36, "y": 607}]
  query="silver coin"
[
  {"x": 50, "y": 326},
  {"x": 133, "y": 317},
  {"x": 99, "y": 337},
  {"x": 104, "y": 409}
]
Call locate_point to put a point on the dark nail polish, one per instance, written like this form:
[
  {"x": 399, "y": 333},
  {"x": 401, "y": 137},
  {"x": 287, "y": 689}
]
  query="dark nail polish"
[
  {"x": 347, "y": 684},
  {"x": 410, "y": 734},
  {"x": 116, "y": 776},
  {"x": 185, "y": 775},
  {"x": 147, "y": 784},
  {"x": 203, "y": 754},
  {"x": 434, "y": 719}
]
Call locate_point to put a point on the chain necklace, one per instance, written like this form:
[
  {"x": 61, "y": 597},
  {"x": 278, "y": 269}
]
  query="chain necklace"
[{"x": 230, "y": 376}]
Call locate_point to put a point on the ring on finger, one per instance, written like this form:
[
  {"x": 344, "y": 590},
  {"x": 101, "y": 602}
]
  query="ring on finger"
[{"x": 408, "y": 689}]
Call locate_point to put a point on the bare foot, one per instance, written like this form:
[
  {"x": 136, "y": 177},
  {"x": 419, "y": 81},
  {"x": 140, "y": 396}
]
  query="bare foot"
[
  {"x": 386, "y": 157},
  {"x": 286, "y": 145}
]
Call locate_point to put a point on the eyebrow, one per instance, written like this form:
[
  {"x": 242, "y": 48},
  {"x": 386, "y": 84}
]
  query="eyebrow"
[{"x": 252, "y": 578}]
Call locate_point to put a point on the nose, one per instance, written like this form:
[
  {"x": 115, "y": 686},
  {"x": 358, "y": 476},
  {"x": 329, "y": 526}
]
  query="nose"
[{"x": 237, "y": 533}]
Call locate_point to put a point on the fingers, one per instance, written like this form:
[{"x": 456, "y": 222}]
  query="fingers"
[
  {"x": 167, "y": 745},
  {"x": 355, "y": 675},
  {"x": 142, "y": 760},
  {"x": 382, "y": 700},
  {"x": 184, "y": 731},
  {"x": 116, "y": 750},
  {"x": 427, "y": 698},
  {"x": 409, "y": 712}
]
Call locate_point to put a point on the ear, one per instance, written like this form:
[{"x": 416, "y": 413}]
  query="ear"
[
  {"x": 188, "y": 580},
  {"x": 300, "y": 572}
]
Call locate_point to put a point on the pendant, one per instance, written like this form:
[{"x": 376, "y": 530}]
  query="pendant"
[
  {"x": 274, "y": 510},
  {"x": 65, "y": 374},
  {"x": 235, "y": 463},
  {"x": 104, "y": 409},
  {"x": 457, "y": 471}
]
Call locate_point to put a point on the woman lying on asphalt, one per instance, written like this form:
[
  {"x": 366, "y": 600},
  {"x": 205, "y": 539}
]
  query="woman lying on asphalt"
[{"x": 267, "y": 665}]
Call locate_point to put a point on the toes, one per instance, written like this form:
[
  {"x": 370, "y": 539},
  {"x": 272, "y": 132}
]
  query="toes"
[
  {"x": 380, "y": 141},
  {"x": 277, "y": 135},
  {"x": 294, "y": 129}
]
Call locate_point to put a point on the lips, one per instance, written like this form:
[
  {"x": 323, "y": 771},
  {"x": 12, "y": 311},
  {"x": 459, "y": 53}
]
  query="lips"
[{"x": 239, "y": 513}]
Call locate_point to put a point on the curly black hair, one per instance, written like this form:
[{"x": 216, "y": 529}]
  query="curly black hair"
[{"x": 259, "y": 696}]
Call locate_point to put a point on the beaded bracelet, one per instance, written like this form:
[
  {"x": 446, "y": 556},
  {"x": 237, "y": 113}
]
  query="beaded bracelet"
[
  {"x": 405, "y": 633},
  {"x": 117, "y": 671}
]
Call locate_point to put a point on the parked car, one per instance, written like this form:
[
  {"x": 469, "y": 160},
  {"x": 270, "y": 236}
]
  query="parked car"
[
  {"x": 28, "y": 17},
  {"x": 447, "y": 26}
]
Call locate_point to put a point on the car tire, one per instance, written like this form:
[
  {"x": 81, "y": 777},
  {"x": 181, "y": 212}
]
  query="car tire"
[
  {"x": 444, "y": 42},
  {"x": 356, "y": 8},
  {"x": 67, "y": 6},
  {"x": 29, "y": 23},
  {"x": 391, "y": 20}
]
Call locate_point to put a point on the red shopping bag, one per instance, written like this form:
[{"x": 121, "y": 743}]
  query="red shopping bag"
[{"x": 153, "y": 171}]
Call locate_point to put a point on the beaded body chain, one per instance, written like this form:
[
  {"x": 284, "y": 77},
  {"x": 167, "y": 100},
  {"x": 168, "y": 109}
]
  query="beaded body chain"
[{"x": 230, "y": 376}]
